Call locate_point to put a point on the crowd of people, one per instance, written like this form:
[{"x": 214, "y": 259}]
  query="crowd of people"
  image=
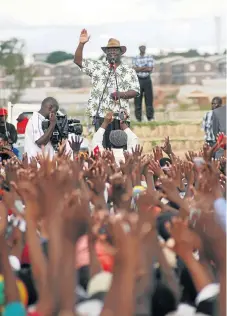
[
  {"x": 94, "y": 236},
  {"x": 108, "y": 229}
]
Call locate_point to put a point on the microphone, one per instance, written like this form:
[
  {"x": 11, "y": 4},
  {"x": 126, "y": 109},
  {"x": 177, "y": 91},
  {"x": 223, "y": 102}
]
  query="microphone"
[{"x": 112, "y": 62}]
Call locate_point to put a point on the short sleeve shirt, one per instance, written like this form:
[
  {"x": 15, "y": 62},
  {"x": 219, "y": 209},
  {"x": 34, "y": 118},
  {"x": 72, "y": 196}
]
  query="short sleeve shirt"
[
  {"x": 100, "y": 93},
  {"x": 143, "y": 61},
  {"x": 32, "y": 133}
]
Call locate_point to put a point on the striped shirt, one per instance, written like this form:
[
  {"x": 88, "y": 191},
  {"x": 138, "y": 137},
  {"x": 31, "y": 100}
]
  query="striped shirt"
[
  {"x": 143, "y": 61},
  {"x": 207, "y": 126}
]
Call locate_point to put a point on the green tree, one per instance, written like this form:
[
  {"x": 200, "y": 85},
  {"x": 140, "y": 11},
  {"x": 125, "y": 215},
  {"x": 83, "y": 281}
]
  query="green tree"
[
  {"x": 18, "y": 75},
  {"x": 58, "y": 56}
]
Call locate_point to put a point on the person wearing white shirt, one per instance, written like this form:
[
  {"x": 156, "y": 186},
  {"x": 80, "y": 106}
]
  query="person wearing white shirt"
[
  {"x": 119, "y": 139},
  {"x": 35, "y": 137}
]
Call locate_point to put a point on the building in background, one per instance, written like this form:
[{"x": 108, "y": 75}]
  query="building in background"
[
  {"x": 43, "y": 75},
  {"x": 192, "y": 71},
  {"x": 163, "y": 69},
  {"x": 167, "y": 71}
]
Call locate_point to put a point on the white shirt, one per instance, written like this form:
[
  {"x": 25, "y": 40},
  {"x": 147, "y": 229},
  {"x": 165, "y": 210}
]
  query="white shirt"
[
  {"x": 132, "y": 141},
  {"x": 32, "y": 133}
]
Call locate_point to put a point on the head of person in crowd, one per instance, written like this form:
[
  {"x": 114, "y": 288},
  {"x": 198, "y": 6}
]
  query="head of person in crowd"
[
  {"x": 3, "y": 116},
  {"x": 216, "y": 103},
  {"x": 5, "y": 148},
  {"x": 21, "y": 117},
  {"x": 118, "y": 139},
  {"x": 49, "y": 105},
  {"x": 114, "y": 51},
  {"x": 3, "y": 141},
  {"x": 142, "y": 49},
  {"x": 165, "y": 164}
]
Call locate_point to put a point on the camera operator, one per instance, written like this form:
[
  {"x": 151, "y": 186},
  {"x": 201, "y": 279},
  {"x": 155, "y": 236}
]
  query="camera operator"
[
  {"x": 120, "y": 139},
  {"x": 35, "y": 137}
]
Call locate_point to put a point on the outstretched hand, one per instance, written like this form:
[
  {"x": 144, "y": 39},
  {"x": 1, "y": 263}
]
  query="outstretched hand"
[
  {"x": 84, "y": 37},
  {"x": 75, "y": 143}
]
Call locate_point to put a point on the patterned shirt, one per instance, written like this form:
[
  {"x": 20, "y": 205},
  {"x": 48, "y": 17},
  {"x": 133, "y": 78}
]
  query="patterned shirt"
[
  {"x": 99, "y": 72},
  {"x": 143, "y": 61},
  {"x": 208, "y": 127}
]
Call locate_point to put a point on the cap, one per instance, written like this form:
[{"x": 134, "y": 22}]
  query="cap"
[
  {"x": 3, "y": 112},
  {"x": 118, "y": 138}
]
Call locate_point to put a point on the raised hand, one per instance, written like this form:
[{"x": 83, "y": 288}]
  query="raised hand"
[
  {"x": 167, "y": 148},
  {"x": 155, "y": 167},
  {"x": 75, "y": 213},
  {"x": 127, "y": 166},
  {"x": 185, "y": 240},
  {"x": 121, "y": 192},
  {"x": 137, "y": 152},
  {"x": 84, "y": 37},
  {"x": 221, "y": 140},
  {"x": 157, "y": 153},
  {"x": 75, "y": 143},
  {"x": 97, "y": 181},
  {"x": 189, "y": 172}
]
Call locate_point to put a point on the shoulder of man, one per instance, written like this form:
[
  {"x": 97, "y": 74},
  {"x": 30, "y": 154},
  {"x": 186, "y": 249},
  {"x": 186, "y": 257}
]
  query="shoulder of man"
[
  {"x": 220, "y": 110},
  {"x": 10, "y": 125}
]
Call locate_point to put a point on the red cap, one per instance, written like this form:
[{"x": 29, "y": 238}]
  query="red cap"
[{"x": 3, "y": 112}]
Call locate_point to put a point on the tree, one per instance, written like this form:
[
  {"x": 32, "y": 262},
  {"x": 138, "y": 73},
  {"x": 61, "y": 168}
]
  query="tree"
[
  {"x": 18, "y": 75},
  {"x": 58, "y": 56}
]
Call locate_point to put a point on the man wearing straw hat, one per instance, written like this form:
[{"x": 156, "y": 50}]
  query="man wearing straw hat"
[{"x": 113, "y": 84}]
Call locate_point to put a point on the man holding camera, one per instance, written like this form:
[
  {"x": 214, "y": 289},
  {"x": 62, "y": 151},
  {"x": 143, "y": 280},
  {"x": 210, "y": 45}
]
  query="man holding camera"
[
  {"x": 121, "y": 139},
  {"x": 35, "y": 137},
  {"x": 113, "y": 83}
]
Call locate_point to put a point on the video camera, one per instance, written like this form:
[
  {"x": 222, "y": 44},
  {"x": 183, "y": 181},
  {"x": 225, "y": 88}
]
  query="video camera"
[{"x": 63, "y": 128}]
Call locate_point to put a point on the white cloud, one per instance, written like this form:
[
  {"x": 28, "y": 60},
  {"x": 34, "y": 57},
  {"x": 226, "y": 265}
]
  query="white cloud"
[
  {"x": 59, "y": 12},
  {"x": 162, "y": 24},
  {"x": 93, "y": 12}
]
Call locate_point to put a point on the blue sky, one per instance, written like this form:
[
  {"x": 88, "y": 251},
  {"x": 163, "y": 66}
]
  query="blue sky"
[{"x": 48, "y": 25}]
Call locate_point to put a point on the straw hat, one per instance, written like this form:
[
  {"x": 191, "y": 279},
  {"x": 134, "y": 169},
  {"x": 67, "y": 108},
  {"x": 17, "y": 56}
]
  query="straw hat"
[{"x": 114, "y": 43}]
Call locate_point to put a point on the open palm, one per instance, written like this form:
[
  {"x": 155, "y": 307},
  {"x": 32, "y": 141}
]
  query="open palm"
[{"x": 84, "y": 38}]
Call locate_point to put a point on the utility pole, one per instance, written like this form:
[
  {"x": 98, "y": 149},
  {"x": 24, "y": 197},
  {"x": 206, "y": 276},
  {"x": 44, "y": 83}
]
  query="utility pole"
[{"x": 217, "y": 20}]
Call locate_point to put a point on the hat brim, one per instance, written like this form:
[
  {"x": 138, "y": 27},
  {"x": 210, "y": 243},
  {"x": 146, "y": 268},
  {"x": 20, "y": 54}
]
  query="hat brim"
[{"x": 123, "y": 49}]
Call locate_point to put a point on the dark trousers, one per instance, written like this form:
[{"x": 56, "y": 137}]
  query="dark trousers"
[
  {"x": 111, "y": 127},
  {"x": 146, "y": 89}
]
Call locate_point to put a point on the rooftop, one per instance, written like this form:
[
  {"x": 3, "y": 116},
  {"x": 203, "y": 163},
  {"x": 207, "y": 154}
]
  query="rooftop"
[
  {"x": 169, "y": 59},
  {"x": 188, "y": 60}
]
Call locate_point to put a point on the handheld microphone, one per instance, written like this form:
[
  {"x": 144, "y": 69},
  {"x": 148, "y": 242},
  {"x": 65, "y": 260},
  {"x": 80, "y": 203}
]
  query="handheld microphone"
[{"x": 112, "y": 61}]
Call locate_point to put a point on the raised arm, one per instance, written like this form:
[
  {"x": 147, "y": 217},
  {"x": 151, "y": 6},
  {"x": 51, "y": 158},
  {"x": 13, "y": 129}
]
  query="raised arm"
[{"x": 78, "y": 57}]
